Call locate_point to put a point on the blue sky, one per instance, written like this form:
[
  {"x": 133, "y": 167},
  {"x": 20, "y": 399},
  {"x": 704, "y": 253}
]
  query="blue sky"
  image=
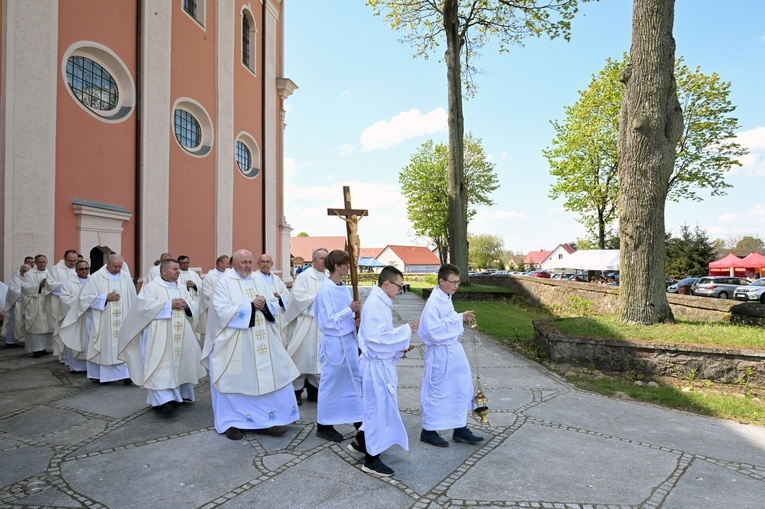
[{"x": 364, "y": 105}]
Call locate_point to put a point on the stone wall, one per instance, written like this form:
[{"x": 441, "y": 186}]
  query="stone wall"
[
  {"x": 604, "y": 299},
  {"x": 682, "y": 361}
]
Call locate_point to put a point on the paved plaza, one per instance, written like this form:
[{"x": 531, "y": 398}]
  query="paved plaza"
[{"x": 66, "y": 442}]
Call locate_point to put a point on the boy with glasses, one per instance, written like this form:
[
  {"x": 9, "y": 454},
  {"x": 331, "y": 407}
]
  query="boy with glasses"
[
  {"x": 447, "y": 383},
  {"x": 382, "y": 346}
]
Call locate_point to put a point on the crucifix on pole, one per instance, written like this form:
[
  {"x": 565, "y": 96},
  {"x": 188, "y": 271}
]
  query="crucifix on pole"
[{"x": 351, "y": 217}]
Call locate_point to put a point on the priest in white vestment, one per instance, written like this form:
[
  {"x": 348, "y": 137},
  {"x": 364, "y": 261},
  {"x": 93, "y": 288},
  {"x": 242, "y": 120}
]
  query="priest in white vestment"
[
  {"x": 340, "y": 387},
  {"x": 205, "y": 294},
  {"x": 38, "y": 311},
  {"x": 104, "y": 301},
  {"x": 382, "y": 346},
  {"x": 153, "y": 272},
  {"x": 189, "y": 278},
  {"x": 446, "y": 397},
  {"x": 13, "y": 312},
  {"x": 250, "y": 371},
  {"x": 158, "y": 343},
  {"x": 278, "y": 292},
  {"x": 301, "y": 329},
  {"x": 60, "y": 273},
  {"x": 69, "y": 292}
]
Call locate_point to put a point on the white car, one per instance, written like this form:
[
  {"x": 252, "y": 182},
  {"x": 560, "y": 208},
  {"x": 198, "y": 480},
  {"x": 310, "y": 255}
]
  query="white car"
[{"x": 754, "y": 291}]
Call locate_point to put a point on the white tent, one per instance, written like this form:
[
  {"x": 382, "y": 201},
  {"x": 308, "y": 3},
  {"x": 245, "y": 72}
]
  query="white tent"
[{"x": 593, "y": 259}]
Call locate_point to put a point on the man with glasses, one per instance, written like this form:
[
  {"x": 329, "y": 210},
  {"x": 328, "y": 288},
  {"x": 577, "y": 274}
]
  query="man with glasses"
[
  {"x": 447, "y": 383},
  {"x": 278, "y": 293},
  {"x": 189, "y": 278},
  {"x": 74, "y": 354}
]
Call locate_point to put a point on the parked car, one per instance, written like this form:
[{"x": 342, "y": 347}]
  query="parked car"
[
  {"x": 754, "y": 291},
  {"x": 721, "y": 287},
  {"x": 668, "y": 281},
  {"x": 540, "y": 273},
  {"x": 562, "y": 275},
  {"x": 582, "y": 278},
  {"x": 687, "y": 282}
]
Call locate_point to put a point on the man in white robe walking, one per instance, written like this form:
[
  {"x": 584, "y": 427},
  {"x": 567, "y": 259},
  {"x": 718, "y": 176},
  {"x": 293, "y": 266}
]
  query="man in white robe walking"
[
  {"x": 101, "y": 308},
  {"x": 13, "y": 313},
  {"x": 189, "y": 278},
  {"x": 278, "y": 292},
  {"x": 446, "y": 397},
  {"x": 382, "y": 346},
  {"x": 205, "y": 294},
  {"x": 68, "y": 295},
  {"x": 340, "y": 386},
  {"x": 36, "y": 293},
  {"x": 158, "y": 343},
  {"x": 303, "y": 342},
  {"x": 60, "y": 273},
  {"x": 250, "y": 371}
]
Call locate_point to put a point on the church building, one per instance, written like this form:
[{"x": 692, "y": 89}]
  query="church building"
[{"x": 141, "y": 127}]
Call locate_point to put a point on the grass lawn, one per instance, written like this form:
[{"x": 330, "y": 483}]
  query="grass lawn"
[{"x": 510, "y": 323}]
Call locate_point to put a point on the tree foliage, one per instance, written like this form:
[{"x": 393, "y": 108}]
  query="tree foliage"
[
  {"x": 690, "y": 253},
  {"x": 584, "y": 161},
  {"x": 424, "y": 184},
  {"x": 749, "y": 244},
  {"x": 464, "y": 27},
  {"x": 485, "y": 250}
]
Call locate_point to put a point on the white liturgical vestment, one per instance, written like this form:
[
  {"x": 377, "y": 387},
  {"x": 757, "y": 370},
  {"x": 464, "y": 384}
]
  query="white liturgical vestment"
[
  {"x": 446, "y": 396},
  {"x": 276, "y": 285},
  {"x": 303, "y": 342}
]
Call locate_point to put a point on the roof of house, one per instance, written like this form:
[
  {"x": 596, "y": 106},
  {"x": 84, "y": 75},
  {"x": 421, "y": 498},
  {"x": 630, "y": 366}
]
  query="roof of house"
[
  {"x": 567, "y": 247},
  {"x": 370, "y": 252},
  {"x": 536, "y": 256},
  {"x": 305, "y": 246},
  {"x": 414, "y": 255}
]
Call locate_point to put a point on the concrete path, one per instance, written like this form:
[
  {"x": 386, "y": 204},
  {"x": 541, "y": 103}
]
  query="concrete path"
[{"x": 66, "y": 442}]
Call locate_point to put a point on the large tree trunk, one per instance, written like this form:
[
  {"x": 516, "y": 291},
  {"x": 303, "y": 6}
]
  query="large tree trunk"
[
  {"x": 458, "y": 249},
  {"x": 650, "y": 127}
]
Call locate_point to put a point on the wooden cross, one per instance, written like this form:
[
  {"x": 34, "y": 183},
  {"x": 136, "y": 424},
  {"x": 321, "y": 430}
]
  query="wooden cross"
[{"x": 351, "y": 217}]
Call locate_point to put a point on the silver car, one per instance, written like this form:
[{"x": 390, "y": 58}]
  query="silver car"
[
  {"x": 754, "y": 291},
  {"x": 721, "y": 287}
]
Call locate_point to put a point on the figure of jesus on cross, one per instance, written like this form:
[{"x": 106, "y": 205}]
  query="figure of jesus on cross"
[{"x": 351, "y": 217}]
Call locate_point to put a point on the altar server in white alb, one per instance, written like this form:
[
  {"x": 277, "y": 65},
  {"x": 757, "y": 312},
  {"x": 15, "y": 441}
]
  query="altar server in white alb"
[
  {"x": 158, "y": 343},
  {"x": 340, "y": 385},
  {"x": 68, "y": 295},
  {"x": 103, "y": 303},
  {"x": 382, "y": 346},
  {"x": 250, "y": 371},
  {"x": 205, "y": 293},
  {"x": 447, "y": 384},
  {"x": 36, "y": 291},
  {"x": 303, "y": 342}
]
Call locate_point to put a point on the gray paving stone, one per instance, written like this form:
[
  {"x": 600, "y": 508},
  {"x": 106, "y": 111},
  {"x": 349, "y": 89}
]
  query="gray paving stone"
[
  {"x": 30, "y": 378},
  {"x": 40, "y": 421},
  {"x": 550, "y": 464},
  {"x": 77, "y": 434},
  {"x": 323, "y": 480},
  {"x": 20, "y": 464},
  {"x": 706, "y": 485},
  {"x": 179, "y": 473},
  {"x": 50, "y": 497},
  {"x": 112, "y": 399},
  {"x": 275, "y": 461},
  {"x": 13, "y": 401}
]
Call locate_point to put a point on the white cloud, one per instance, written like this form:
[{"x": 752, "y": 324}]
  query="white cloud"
[
  {"x": 753, "y": 163},
  {"x": 727, "y": 218},
  {"x": 346, "y": 93},
  {"x": 404, "y": 126},
  {"x": 346, "y": 149}
]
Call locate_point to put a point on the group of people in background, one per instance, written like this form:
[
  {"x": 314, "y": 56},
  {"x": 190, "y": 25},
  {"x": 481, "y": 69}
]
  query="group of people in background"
[{"x": 261, "y": 344}]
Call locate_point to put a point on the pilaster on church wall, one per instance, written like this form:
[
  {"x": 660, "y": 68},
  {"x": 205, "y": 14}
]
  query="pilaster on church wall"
[{"x": 29, "y": 74}]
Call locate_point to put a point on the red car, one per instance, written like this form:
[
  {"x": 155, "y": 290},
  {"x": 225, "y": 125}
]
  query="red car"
[{"x": 541, "y": 273}]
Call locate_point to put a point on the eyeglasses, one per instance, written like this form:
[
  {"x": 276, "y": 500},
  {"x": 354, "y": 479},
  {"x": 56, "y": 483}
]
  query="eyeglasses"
[
  {"x": 400, "y": 287},
  {"x": 453, "y": 283},
  {"x": 82, "y": 268}
]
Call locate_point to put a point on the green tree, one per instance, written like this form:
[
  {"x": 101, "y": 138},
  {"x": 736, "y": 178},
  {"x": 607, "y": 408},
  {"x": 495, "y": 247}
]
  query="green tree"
[
  {"x": 484, "y": 250},
  {"x": 424, "y": 183},
  {"x": 584, "y": 161},
  {"x": 748, "y": 244},
  {"x": 302, "y": 234},
  {"x": 464, "y": 27},
  {"x": 690, "y": 253}
]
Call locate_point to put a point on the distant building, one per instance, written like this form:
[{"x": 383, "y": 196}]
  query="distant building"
[
  {"x": 142, "y": 127},
  {"x": 410, "y": 259},
  {"x": 557, "y": 258},
  {"x": 534, "y": 259}
]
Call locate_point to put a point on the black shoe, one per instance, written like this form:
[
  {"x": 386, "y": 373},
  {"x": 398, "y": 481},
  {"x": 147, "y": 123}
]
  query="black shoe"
[
  {"x": 465, "y": 436},
  {"x": 433, "y": 438},
  {"x": 274, "y": 431},
  {"x": 313, "y": 392},
  {"x": 127, "y": 381},
  {"x": 38, "y": 354},
  {"x": 166, "y": 408},
  {"x": 234, "y": 434},
  {"x": 356, "y": 450},
  {"x": 329, "y": 433},
  {"x": 378, "y": 468}
]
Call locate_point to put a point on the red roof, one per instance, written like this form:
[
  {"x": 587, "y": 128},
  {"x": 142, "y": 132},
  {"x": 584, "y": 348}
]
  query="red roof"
[
  {"x": 370, "y": 252},
  {"x": 537, "y": 256},
  {"x": 415, "y": 255},
  {"x": 305, "y": 246},
  {"x": 568, "y": 248}
]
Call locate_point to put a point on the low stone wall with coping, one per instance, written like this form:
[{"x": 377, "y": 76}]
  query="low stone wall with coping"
[{"x": 681, "y": 361}]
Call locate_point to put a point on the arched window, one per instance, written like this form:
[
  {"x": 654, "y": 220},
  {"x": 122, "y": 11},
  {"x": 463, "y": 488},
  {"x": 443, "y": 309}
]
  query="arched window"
[
  {"x": 248, "y": 40},
  {"x": 192, "y": 127},
  {"x": 187, "y": 129},
  {"x": 247, "y": 155}
]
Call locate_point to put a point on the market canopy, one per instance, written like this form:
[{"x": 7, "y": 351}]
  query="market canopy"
[
  {"x": 726, "y": 263},
  {"x": 752, "y": 261},
  {"x": 593, "y": 259},
  {"x": 370, "y": 261}
]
